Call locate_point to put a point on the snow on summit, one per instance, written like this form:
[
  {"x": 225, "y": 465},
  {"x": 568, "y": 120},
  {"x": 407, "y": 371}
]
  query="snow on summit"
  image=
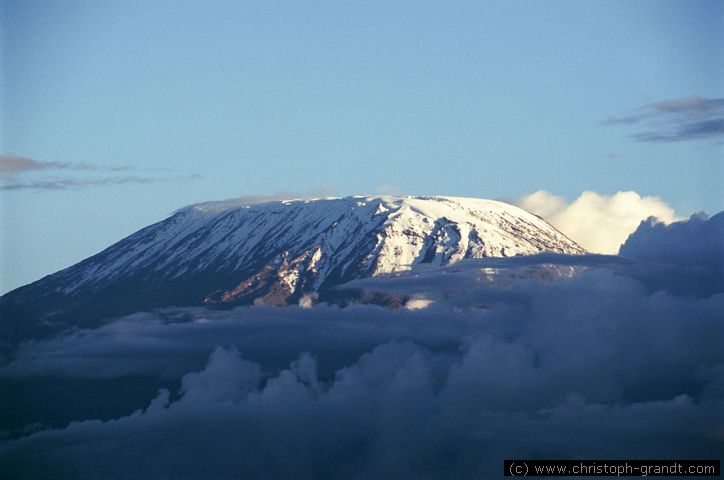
[{"x": 367, "y": 235}]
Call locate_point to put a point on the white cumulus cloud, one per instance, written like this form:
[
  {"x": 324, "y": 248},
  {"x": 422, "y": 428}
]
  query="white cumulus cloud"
[{"x": 599, "y": 223}]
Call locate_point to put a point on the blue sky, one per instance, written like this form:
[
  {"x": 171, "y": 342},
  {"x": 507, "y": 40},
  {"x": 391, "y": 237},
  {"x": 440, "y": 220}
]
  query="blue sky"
[{"x": 130, "y": 110}]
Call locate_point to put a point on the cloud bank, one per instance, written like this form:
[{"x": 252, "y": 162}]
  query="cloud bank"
[
  {"x": 546, "y": 357},
  {"x": 599, "y": 223},
  {"x": 676, "y": 120},
  {"x": 695, "y": 247}
]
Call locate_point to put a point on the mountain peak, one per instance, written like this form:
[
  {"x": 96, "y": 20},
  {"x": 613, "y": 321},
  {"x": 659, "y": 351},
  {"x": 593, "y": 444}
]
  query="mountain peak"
[{"x": 235, "y": 252}]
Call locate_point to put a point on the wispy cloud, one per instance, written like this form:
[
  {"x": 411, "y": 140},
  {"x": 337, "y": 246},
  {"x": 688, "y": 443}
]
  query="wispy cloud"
[
  {"x": 76, "y": 183},
  {"x": 319, "y": 192},
  {"x": 676, "y": 120},
  {"x": 312, "y": 193},
  {"x": 11, "y": 164},
  {"x": 387, "y": 189},
  {"x": 13, "y": 169}
]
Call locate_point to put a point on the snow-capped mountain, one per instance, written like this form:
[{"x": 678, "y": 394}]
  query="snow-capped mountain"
[{"x": 229, "y": 253}]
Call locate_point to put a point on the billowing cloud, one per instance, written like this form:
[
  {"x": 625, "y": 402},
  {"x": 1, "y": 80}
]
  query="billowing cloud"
[
  {"x": 695, "y": 247},
  {"x": 599, "y": 223},
  {"x": 675, "y": 120},
  {"x": 553, "y": 356}
]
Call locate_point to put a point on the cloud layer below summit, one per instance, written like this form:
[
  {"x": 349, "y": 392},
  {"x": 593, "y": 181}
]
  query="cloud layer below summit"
[{"x": 612, "y": 361}]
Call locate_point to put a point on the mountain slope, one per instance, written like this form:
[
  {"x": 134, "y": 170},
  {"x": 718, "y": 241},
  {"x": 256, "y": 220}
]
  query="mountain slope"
[{"x": 227, "y": 253}]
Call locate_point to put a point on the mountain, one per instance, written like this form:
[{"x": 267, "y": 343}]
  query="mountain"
[{"x": 230, "y": 253}]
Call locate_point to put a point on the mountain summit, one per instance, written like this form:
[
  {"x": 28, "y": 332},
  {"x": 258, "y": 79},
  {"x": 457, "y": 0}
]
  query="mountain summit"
[{"x": 230, "y": 253}]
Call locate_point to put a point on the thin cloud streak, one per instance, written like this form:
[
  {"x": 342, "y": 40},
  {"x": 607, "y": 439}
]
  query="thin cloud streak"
[
  {"x": 11, "y": 164},
  {"x": 13, "y": 167},
  {"x": 704, "y": 129},
  {"x": 676, "y": 120},
  {"x": 256, "y": 199},
  {"x": 78, "y": 183}
]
